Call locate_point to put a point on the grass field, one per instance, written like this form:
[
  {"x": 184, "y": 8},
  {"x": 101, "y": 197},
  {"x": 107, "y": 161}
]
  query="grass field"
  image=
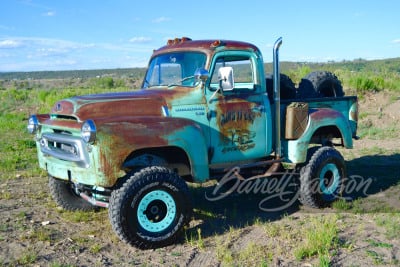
[{"x": 230, "y": 232}]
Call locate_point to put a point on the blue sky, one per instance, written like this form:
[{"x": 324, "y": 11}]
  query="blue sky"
[{"x": 95, "y": 34}]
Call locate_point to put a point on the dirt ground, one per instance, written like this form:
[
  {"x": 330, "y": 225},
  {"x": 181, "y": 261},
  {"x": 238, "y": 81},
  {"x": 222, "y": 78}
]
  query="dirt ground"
[{"x": 34, "y": 232}]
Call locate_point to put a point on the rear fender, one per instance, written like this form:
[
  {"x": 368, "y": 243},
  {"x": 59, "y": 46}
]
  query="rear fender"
[{"x": 318, "y": 118}]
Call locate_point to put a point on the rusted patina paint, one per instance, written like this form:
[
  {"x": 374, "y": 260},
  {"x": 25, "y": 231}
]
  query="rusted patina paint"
[
  {"x": 42, "y": 117},
  {"x": 63, "y": 107},
  {"x": 138, "y": 94},
  {"x": 235, "y": 113},
  {"x": 206, "y": 45},
  {"x": 117, "y": 139},
  {"x": 137, "y": 103},
  {"x": 125, "y": 122},
  {"x": 118, "y": 108},
  {"x": 58, "y": 123},
  {"x": 323, "y": 114},
  {"x": 63, "y": 124}
]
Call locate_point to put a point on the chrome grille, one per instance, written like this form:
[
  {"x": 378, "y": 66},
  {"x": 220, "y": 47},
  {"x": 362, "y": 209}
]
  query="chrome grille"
[{"x": 65, "y": 147}]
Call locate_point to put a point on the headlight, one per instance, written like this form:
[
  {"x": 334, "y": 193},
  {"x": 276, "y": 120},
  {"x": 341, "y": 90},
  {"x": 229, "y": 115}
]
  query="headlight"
[
  {"x": 88, "y": 131},
  {"x": 33, "y": 124}
]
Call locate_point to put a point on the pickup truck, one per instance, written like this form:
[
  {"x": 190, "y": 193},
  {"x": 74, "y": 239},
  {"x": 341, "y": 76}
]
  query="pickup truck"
[{"x": 205, "y": 106}]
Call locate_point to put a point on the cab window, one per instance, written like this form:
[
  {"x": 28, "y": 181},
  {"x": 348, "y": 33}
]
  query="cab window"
[{"x": 242, "y": 69}]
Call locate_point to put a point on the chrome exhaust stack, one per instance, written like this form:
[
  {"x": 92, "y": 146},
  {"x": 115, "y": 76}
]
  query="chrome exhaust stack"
[{"x": 277, "y": 98}]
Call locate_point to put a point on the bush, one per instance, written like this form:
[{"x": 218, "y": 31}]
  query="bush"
[
  {"x": 366, "y": 83},
  {"x": 18, "y": 95},
  {"x": 104, "y": 82},
  {"x": 42, "y": 95},
  {"x": 297, "y": 74}
]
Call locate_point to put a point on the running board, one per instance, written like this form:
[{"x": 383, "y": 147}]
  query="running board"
[
  {"x": 272, "y": 163},
  {"x": 93, "y": 201},
  {"x": 258, "y": 164}
]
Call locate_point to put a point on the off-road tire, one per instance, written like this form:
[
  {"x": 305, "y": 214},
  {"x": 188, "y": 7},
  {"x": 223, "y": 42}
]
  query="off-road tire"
[
  {"x": 65, "y": 196},
  {"x": 288, "y": 88},
  {"x": 151, "y": 208},
  {"x": 322, "y": 179},
  {"x": 320, "y": 84}
]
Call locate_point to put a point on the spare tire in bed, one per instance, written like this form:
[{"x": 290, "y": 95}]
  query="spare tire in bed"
[
  {"x": 288, "y": 89},
  {"x": 320, "y": 84}
]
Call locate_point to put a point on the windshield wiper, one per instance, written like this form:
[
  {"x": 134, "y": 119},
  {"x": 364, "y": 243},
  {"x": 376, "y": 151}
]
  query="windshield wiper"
[{"x": 180, "y": 81}]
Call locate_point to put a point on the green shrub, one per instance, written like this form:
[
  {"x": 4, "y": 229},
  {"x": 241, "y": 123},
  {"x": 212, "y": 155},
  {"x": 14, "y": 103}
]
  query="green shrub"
[
  {"x": 103, "y": 82},
  {"x": 18, "y": 95},
  {"x": 297, "y": 74},
  {"x": 42, "y": 95},
  {"x": 365, "y": 84}
]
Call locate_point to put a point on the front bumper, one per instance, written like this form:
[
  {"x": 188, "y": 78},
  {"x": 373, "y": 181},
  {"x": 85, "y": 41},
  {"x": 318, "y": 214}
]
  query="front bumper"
[{"x": 68, "y": 158}]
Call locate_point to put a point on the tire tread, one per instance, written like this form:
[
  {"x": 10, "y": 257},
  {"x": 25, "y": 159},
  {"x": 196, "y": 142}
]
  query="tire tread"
[
  {"x": 65, "y": 198},
  {"x": 307, "y": 196},
  {"x": 122, "y": 194}
]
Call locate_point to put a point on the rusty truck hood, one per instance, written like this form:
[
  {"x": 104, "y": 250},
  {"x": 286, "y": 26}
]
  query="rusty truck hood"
[{"x": 135, "y": 103}]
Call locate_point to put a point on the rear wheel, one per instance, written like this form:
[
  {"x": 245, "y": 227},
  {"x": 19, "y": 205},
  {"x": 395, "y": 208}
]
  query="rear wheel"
[
  {"x": 320, "y": 84},
  {"x": 65, "y": 195},
  {"x": 151, "y": 208},
  {"x": 322, "y": 179}
]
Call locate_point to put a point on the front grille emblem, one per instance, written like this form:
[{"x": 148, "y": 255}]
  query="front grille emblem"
[{"x": 58, "y": 107}]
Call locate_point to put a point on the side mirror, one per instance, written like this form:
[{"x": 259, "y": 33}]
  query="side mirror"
[
  {"x": 201, "y": 74},
  {"x": 225, "y": 77}
]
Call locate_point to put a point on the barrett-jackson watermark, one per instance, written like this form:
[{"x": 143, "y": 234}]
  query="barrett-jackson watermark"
[{"x": 282, "y": 188}]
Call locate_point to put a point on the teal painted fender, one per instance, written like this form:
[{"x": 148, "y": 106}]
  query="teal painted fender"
[
  {"x": 318, "y": 118},
  {"x": 119, "y": 138},
  {"x": 191, "y": 139}
]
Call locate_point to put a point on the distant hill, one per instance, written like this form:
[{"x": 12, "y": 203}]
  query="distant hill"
[
  {"x": 358, "y": 65},
  {"x": 39, "y": 75}
]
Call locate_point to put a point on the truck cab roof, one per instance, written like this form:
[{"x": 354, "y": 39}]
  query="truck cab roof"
[{"x": 207, "y": 46}]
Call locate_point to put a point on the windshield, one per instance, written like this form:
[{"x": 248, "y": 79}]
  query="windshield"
[{"x": 174, "y": 69}]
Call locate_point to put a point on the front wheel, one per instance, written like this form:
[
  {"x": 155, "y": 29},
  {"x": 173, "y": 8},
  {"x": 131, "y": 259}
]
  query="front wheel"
[
  {"x": 66, "y": 196},
  {"x": 151, "y": 208},
  {"x": 322, "y": 179}
]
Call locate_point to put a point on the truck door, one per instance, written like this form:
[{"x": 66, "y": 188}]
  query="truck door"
[{"x": 237, "y": 118}]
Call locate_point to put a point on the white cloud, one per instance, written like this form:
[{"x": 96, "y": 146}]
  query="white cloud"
[
  {"x": 53, "y": 44},
  {"x": 140, "y": 39},
  {"x": 49, "y": 52},
  {"x": 161, "y": 19},
  {"x": 36, "y": 53},
  {"x": 396, "y": 41},
  {"x": 49, "y": 14},
  {"x": 8, "y": 43}
]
